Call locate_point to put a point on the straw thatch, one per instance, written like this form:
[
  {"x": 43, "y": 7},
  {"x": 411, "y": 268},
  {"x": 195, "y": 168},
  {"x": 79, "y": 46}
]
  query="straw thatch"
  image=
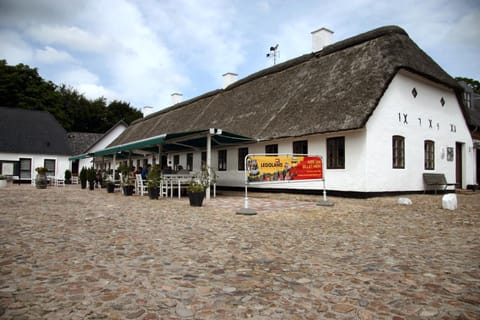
[{"x": 334, "y": 89}]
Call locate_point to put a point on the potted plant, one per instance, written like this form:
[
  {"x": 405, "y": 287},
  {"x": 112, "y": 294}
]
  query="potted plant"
[
  {"x": 91, "y": 175},
  {"x": 198, "y": 185},
  {"x": 110, "y": 186},
  {"x": 3, "y": 181},
  {"x": 41, "y": 178},
  {"x": 154, "y": 176},
  {"x": 127, "y": 183},
  {"x": 83, "y": 177},
  {"x": 68, "y": 177}
]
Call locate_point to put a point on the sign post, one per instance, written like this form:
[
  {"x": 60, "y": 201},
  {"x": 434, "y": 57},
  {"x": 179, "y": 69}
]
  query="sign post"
[{"x": 281, "y": 169}]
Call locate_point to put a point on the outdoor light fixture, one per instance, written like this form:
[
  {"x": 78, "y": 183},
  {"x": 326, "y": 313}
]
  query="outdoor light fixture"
[{"x": 215, "y": 131}]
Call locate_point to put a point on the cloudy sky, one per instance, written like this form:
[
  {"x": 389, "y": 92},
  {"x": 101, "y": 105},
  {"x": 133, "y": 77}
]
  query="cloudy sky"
[{"x": 142, "y": 51}]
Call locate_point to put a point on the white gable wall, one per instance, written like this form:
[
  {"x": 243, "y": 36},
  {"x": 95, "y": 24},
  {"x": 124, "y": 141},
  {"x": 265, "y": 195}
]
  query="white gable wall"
[
  {"x": 102, "y": 144},
  {"x": 426, "y": 119}
]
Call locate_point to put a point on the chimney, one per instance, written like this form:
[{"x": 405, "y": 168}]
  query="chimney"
[
  {"x": 147, "y": 110},
  {"x": 229, "y": 78},
  {"x": 321, "y": 38},
  {"x": 177, "y": 98}
]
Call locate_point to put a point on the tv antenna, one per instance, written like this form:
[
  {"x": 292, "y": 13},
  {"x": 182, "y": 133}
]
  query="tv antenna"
[{"x": 274, "y": 54}]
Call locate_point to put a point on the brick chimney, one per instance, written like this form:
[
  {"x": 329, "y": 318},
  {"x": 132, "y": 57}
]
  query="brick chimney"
[{"x": 321, "y": 38}]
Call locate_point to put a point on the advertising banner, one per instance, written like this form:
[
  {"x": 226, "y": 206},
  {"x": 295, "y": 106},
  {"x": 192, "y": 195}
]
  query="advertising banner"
[{"x": 263, "y": 168}]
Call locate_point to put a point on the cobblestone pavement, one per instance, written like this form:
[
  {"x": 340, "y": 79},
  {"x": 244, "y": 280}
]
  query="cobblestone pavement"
[{"x": 68, "y": 253}]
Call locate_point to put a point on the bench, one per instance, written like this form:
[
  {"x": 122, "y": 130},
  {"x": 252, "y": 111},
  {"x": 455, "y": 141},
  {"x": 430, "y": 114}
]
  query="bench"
[{"x": 437, "y": 181}]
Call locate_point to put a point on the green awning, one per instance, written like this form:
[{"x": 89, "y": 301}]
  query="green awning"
[
  {"x": 79, "y": 156},
  {"x": 138, "y": 144},
  {"x": 174, "y": 142}
]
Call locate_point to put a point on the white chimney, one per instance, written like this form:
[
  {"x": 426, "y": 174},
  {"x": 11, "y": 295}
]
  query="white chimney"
[
  {"x": 321, "y": 38},
  {"x": 229, "y": 78},
  {"x": 177, "y": 98},
  {"x": 147, "y": 110}
]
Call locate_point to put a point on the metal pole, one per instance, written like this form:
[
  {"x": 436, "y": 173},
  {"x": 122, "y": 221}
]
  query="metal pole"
[
  {"x": 246, "y": 210},
  {"x": 209, "y": 160}
]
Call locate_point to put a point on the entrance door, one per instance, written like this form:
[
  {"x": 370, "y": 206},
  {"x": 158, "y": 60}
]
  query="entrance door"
[{"x": 458, "y": 164}]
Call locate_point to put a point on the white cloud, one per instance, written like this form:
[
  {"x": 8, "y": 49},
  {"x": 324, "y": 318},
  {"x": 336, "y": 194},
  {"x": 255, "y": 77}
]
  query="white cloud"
[
  {"x": 14, "y": 49},
  {"x": 71, "y": 37},
  {"x": 77, "y": 76},
  {"x": 93, "y": 91},
  {"x": 49, "y": 55},
  {"x": 142, "y": 51}
]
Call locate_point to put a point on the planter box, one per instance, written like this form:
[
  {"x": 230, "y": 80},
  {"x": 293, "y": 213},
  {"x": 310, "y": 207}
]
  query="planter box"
[
  {"x": 196, "y": 198},
  {"x": 3, "y": 183}
]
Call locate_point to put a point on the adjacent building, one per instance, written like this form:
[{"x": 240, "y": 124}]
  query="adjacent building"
[{"x": 30, "y": 139}]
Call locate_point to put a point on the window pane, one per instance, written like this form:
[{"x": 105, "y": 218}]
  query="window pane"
[
  {"x": 398, "y": 152},
  {"x": 222, "y": 160},
  {"x": 336, "y": 153},
  {"x": 189, "y": 161},
  {"x": 271, "y": 148},
  {"x": 50, "y": 165},
  {"x": 429, "y": 156},
  {"x": 300, "y": 147},
  {"x": 25, "y": 168},
  {"x": 242, "y": 153}
]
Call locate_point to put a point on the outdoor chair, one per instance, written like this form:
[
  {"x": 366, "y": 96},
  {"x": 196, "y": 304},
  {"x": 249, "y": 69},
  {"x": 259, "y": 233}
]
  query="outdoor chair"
[{"x": 140, "y": 186}]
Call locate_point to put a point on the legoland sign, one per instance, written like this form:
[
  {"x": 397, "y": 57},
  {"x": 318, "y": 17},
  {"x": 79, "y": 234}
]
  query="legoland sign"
[{"x": 263, "y": 168}]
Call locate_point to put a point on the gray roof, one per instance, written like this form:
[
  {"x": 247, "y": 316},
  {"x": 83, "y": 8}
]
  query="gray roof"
[
  {"x": 334, "y": 89},
  {"x": 81, "y": 141},
  {"x": 31, "y": 132}
]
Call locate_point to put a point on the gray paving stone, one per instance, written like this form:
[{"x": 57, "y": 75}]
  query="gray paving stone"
[{"x": 68, "y": 253}]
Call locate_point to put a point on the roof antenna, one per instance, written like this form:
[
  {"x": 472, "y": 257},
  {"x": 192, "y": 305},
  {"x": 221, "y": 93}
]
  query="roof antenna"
[{"x": 274, "y": 53}]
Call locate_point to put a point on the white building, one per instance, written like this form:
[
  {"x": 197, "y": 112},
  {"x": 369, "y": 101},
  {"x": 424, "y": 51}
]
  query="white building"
[
  {"x": 31, "y": 139},
  {"x": 376, "y": 108}
]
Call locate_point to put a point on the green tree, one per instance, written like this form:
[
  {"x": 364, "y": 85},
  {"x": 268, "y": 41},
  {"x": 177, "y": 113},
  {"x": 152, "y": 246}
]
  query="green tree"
[
  {"x": 120, "y": 110},
  {"x": 22, "y": 87},
  {"x": 475, "y": 84}
]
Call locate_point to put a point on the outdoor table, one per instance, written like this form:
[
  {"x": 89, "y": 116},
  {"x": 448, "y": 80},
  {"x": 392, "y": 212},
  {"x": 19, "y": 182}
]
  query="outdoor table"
[{"x": 177, "y": 180}]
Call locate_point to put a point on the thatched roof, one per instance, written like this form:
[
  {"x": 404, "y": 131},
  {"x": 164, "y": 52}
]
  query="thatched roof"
[{"x": 334, "y": 89}]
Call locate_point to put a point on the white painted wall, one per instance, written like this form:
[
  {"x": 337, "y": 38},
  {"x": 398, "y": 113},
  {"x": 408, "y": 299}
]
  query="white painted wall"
[
  {"x": 389, "y": 119},
  {"x": 61, "y": 162}
]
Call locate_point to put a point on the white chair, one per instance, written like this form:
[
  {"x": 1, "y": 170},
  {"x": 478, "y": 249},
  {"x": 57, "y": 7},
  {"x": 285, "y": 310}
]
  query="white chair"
[
  {"x": 140, "y": 186},
  {"x": 164, "y": 187},
  {"x": 59, "y": 182}
]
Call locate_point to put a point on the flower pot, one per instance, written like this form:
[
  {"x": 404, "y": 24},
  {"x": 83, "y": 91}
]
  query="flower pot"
[
  {"x": 91, "y": 185},
  {"x": 41, "y": 181},
  {"x": 196, "y": 198},
  {"x": 83, "y": 183},
  {"x": 3, "y": 183},
  {"x": 110, "y": 188},
  {"x": 128, "y": 190},
  {"x": 153, "y": 193}
]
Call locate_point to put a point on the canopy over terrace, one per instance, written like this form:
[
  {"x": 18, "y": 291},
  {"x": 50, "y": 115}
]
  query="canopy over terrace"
[{"x": 174, "y": 142}]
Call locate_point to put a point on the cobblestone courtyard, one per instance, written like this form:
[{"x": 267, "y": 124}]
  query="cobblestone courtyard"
[{"x": 67, "y": 253}]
